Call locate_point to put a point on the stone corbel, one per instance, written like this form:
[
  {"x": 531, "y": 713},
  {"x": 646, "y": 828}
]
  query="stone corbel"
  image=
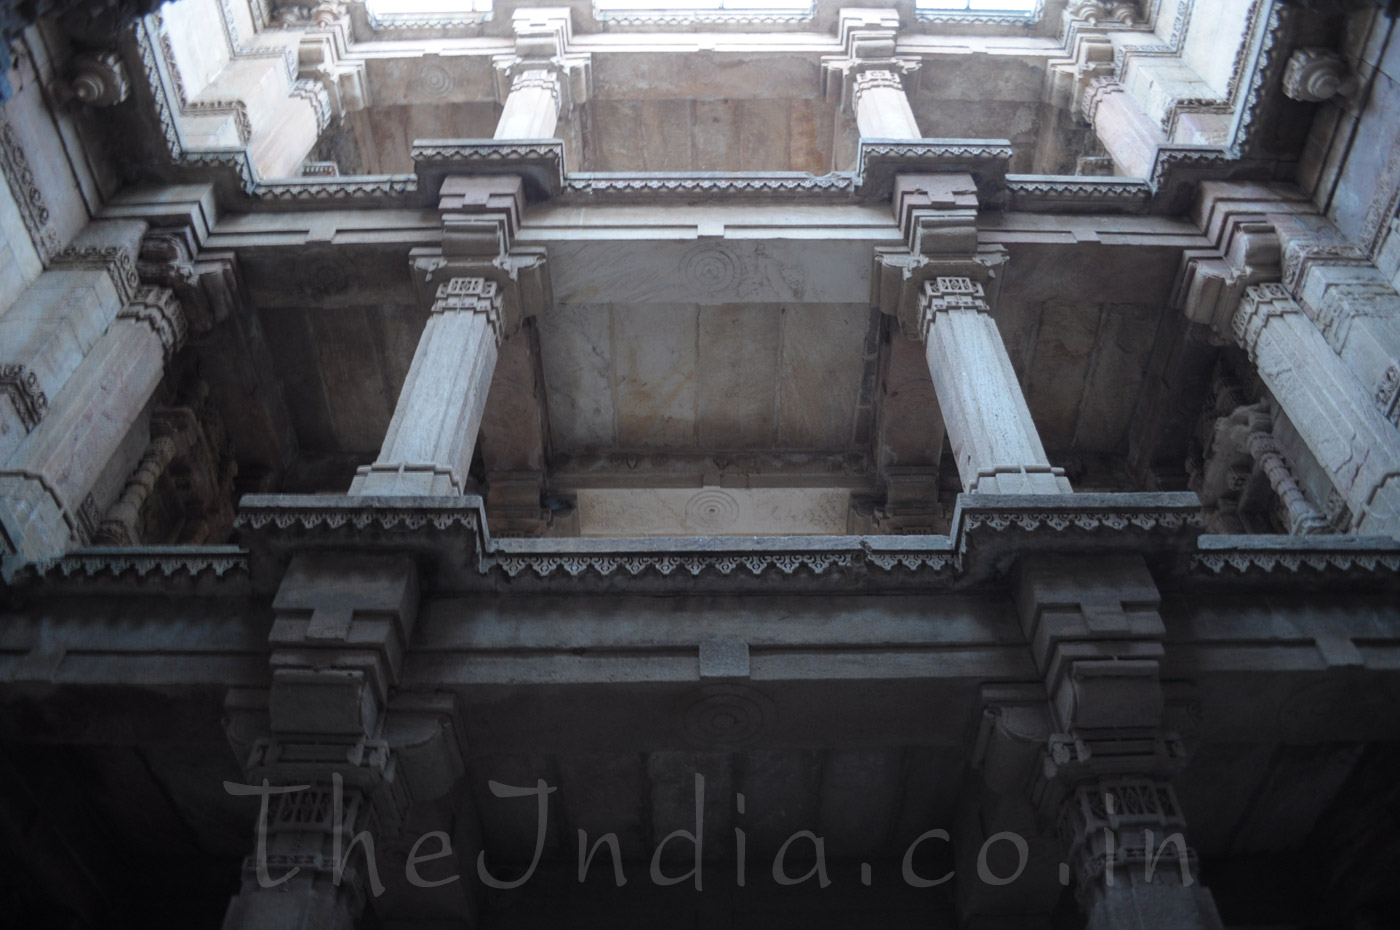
[
  {"x": 208, "y": 285},
  {"x": 1317, "y": 74},
  {"x": 323, "y": 57},
  {"x": 100, "y": 79},
  {"x": 1241, "y": 220},
  {"x": 481, "y": 216},
  {"x": 937, "y": 215}
]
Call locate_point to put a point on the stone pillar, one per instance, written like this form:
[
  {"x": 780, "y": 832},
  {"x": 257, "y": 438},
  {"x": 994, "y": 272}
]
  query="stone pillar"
[
  {"x": 882, "y": 107},
  {"x": 46, "y": 484},
  {"x": 532, "y": 107},
  {"x": 867, "y": 78},
  {"x": 1123, "y": 128},
  {"x": 1333, "y": 412},
  {"x": 994, "y": 440},
  {"x": 1095, "y": 632},
  {"x": 428, "y": 448},
  {"x": 363, "y": 755},
  {"x": 1126, "y": 839}
]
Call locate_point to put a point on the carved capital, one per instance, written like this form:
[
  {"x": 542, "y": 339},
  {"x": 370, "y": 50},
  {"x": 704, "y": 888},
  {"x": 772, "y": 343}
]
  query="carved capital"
[
  {"x": 1317, "y": 74},
  {"x": 947, "y": 294},
  {"x": 471, "y": 295},
  {"x": 160, "y": 310},
  {"x": 1260, "y": 304}
]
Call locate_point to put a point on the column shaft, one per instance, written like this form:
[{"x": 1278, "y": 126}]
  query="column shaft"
[
  {"x": 532, "y": 108},
  {"x": 1125, "y": 131},
  {"x": 882, "y": 107},
  {"x": 994, "y": 440},
  {"x": 428, "y": 448},
  {"x": 46, "y": 481},
  {"x": 1332, "y": 411}
]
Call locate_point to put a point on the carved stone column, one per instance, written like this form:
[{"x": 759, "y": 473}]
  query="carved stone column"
[
  {"x": 428, "y": 448},
  {"x": 1333, "y": 412},
  {"x": 1123, "y": 128},
  {"x": 532, "y": 107},
  {"x": 350, "y": 755},
  {"x": 542, "y": 80},
  {"x": 45, "y": 486},
  {"x": 1095, "y": 633},
  {"x": 867, "y": 79},
  {"x": 994, "y": 440},
  {"x": 882, "y": 107},
  {"x": 1132, "y": 867}
]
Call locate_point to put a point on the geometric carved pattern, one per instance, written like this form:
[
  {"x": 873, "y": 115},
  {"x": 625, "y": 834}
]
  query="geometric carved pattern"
[{"x": 22, "y": 387}]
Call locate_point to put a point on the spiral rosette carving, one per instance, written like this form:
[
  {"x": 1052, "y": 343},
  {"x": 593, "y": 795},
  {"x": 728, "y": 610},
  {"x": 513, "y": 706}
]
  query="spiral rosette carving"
[
  {"x": 728, "y": 715},
  {"x": 711, "y": 510},
  {"x": 712, "y": 269},
  {"x": 435, "y": 81}
]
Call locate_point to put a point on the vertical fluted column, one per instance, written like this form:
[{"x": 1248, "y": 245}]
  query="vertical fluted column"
[
  {"x": 994, "y": 440},
  {"x": 428, "y": 448},
  {"x": 1332, "y": 411},
  {"x": 532, "y": 108},
  {"x": 46, "y": 483},
  {"x": 882, "y": 107}
]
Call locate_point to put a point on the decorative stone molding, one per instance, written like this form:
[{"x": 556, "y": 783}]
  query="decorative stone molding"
[
  {"x": 1076, "y": 194},
  {"x": 1317, "y": 74},
  {"x": 24, "y": 188},
  {"x": 1388, "y": 395},
  {"x": 158, "y": 308},
  {"x": 21, "y": 386},
  {"x": 1264, "y": 556},
  {"x": 471, "y": 295},
  {"x": 1260, "y": 303},
  {"x": 867, "y": 39},
  {"x": 146, "y": 563},
  {"x": 116, "y": 261},
  {"x": 543, "y": 61},
  {"x": 315, "y": 94},
  {"x": 100, "y": 79}
]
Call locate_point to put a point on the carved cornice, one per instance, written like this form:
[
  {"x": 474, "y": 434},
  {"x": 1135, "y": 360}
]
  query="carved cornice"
[
  {"x": 704, "y": 186},
  {"x": 539, "y": 163},
  {"x": 879, "y": 160},
  {"x": 1302, "y": 558},
  {"x": 153, "y": 564},
  {"x": 1073, "y": 194}
]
